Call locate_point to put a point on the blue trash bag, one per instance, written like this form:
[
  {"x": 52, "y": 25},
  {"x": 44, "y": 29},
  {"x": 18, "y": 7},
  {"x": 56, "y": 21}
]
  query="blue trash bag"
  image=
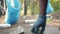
[
  {"x": 13, "y": 11},
  {"x": 49, "y": 8}
]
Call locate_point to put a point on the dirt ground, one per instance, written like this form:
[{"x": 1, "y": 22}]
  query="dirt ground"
[
  {"x": 51, "y": 28},
  {"x": 53, "y": 22}
]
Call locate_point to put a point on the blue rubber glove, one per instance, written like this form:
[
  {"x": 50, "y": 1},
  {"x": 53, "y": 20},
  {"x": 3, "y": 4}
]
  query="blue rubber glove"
[
  {"x": 41, "y": 22},
  {"x": 13, "y": 11}
]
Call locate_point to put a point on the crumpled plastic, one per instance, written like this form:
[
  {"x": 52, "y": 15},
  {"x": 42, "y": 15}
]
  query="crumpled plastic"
[
  {"x": 49, "y": 8},
  {"x": 13, "y": 11}
]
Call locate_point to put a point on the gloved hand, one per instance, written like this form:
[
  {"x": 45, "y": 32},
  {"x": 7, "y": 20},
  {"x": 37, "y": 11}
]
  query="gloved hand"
[{"x": 41, "y": 22}]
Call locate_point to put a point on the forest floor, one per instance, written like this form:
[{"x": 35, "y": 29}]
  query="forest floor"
[{"x": 51, "y": 28}]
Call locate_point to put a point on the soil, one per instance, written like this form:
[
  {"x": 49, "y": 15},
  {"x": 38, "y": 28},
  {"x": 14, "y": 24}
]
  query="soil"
[{"x": 50, "y": 27}]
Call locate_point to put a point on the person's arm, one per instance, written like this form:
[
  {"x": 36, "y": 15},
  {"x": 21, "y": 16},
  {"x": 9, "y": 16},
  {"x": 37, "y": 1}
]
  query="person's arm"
[
  {"x": 41, "y": 21},
  {"x": 43, "y": 7}
]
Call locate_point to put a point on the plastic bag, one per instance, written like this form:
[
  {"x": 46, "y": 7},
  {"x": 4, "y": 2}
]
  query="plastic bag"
[
  {"x": 49, "y": 8},
  {"x": 13, "y": 11}
]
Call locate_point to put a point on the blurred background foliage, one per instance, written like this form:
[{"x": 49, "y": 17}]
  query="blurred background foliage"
[{"x": 32, "y": 6}]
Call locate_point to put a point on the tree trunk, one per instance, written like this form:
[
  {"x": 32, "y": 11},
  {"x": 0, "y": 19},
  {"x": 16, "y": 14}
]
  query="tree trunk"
[
  {"x": 25, "y": 7},
  {"x": 33, "y": 6}
]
